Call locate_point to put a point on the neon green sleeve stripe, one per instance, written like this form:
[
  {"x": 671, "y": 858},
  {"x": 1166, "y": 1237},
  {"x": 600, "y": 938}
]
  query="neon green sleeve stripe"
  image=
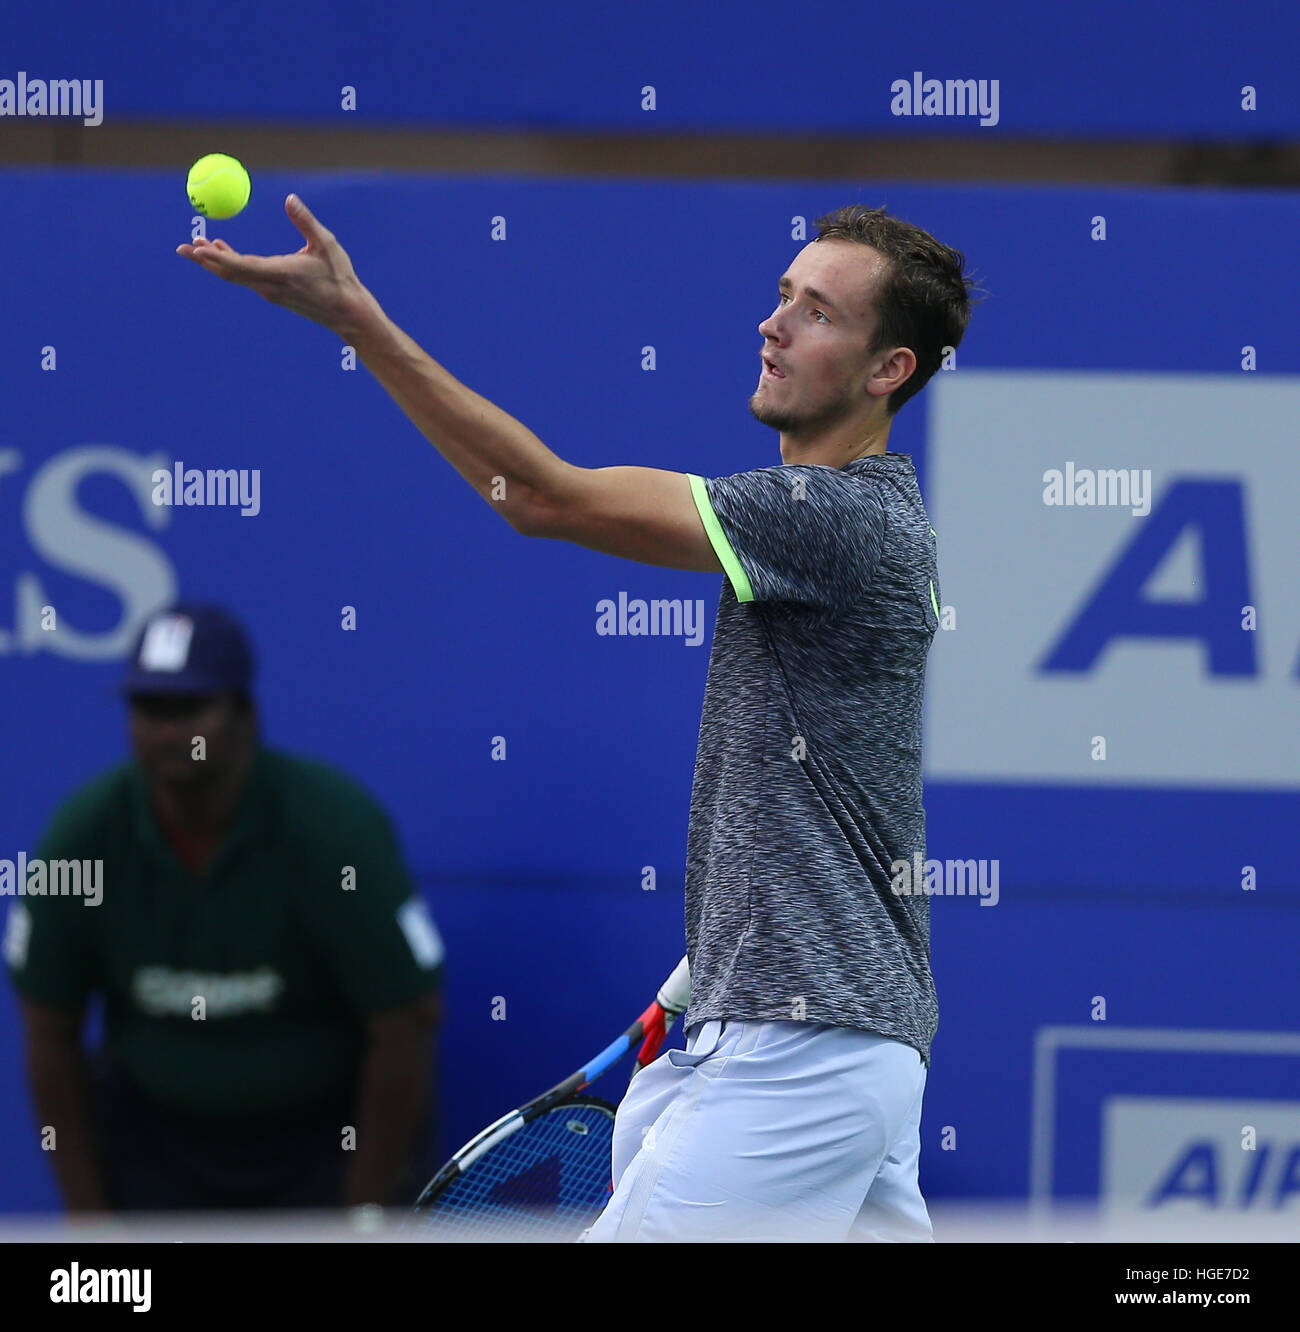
[
  {"x": 934, "y": 601},
  {"x": 718, "y": 539}
]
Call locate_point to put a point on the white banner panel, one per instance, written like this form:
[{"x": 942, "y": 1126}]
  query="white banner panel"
[
  {"x": 1183, "y": 1154},
  {"x": 1106, "y": 636}
]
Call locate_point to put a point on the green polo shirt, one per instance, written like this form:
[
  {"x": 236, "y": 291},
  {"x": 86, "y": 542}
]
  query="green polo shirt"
[{"x": 241, "y": 991}]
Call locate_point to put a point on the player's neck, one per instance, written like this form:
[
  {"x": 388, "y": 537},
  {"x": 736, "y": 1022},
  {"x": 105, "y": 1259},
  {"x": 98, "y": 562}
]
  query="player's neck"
[
  {"x": 839, "y": 455},
  {"x": 841, "y": 446}
]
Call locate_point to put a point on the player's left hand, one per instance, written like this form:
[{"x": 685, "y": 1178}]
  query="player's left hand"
[{"x": 317, "y": 282}]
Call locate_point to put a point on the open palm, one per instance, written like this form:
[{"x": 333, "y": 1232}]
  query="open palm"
[{"x": 317, "y": 281}]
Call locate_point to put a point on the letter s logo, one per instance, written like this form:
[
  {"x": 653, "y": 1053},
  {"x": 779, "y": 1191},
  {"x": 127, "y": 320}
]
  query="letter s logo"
[{"x": 136, "y": 571}]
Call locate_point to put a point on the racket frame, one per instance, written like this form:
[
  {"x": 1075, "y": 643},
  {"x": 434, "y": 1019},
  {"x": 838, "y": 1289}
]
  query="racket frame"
[{"x": 514, "y": 1120}]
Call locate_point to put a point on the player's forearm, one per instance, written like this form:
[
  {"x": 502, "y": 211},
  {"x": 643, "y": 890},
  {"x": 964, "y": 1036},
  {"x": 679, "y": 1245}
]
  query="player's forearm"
[
  {"x": 60, "y": 1083},
  {"x": 393, "y": 1103},
  {"x": 500, "y": 457}
]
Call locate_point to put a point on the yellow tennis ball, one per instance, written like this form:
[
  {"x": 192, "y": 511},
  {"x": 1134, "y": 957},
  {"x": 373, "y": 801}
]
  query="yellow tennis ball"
[{"x": 218, "y": 185}]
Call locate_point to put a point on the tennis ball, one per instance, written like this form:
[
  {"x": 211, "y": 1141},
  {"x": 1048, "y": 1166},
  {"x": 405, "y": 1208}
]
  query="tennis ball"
[{"x": 218, "y": 185}]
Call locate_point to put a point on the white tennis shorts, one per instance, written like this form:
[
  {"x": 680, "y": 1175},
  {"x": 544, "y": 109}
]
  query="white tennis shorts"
[{"x": 778, "y": 1131}]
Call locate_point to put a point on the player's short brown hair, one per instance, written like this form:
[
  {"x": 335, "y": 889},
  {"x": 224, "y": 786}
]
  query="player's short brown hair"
[{"x": 924, "y": 301}]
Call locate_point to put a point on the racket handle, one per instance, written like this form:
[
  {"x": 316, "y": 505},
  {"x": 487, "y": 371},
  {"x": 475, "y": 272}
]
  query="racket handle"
[
  {"x": 675, "y": 993},
  {"x": 654, "y": 1038},
  {"x": 673, "y": 998}
]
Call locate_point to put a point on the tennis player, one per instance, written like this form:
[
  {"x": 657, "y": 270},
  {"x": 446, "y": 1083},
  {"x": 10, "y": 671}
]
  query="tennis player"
[{"x": 794, "y": 1111}]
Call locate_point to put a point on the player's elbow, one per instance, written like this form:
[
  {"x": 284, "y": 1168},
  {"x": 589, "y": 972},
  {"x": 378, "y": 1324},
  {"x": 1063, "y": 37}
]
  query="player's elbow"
[
  {"x": 528, "y": 520},
  {"x": 557, "y": 512},
  {"x": 539, "y": 518},
  {"x": 529, "y": 513}
]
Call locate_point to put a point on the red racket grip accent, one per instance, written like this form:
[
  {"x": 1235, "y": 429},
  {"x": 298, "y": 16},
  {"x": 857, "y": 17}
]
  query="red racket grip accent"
[{"x": 655, "y": 1027}]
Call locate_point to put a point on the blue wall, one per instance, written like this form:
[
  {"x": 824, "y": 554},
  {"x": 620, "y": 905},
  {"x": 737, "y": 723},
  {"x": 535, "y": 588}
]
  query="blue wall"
[
  {"x": 1110, "y": 68},
  {"x": 468, "y": 631}
]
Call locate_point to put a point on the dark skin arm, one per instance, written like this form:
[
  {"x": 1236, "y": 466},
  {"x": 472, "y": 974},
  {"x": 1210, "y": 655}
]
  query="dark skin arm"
[
  {"x": 394, "y": 1098},
  {"x": 58, "y": 1073},
  {"x": 396, "y": 1079}
]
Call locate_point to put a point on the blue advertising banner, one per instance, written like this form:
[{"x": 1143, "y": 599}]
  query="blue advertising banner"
[
  {"x": 999, "y": 68},
  {"x": 1113, "y": 696}
]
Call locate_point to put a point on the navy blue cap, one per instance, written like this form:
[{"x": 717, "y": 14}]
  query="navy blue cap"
[{"x": 190, "y": 648}]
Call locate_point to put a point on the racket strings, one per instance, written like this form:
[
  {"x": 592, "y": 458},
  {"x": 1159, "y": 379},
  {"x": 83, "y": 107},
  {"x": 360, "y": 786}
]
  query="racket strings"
[{"x": 546, "y": 1180}]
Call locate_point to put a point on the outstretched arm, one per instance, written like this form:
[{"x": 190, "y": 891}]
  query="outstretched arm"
[{"x": 640, "y": 513}]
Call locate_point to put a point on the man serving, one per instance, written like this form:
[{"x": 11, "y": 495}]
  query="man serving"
[{"x": 794, "y": 1111}]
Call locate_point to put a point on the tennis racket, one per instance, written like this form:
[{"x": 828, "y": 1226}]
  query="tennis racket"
[{"x": 542, "y": 1172}]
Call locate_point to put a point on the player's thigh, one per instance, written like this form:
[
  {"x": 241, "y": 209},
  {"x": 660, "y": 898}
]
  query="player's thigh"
[
  {"x": 653, "y": 1092},
  {"x": 777, "y": 1136},
  {"x": 895, "y": 1210},
  {"x": 806, "y": 1106}
]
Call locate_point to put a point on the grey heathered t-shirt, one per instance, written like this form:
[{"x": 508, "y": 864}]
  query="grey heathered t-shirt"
[{"x": 808, "y": 772}]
